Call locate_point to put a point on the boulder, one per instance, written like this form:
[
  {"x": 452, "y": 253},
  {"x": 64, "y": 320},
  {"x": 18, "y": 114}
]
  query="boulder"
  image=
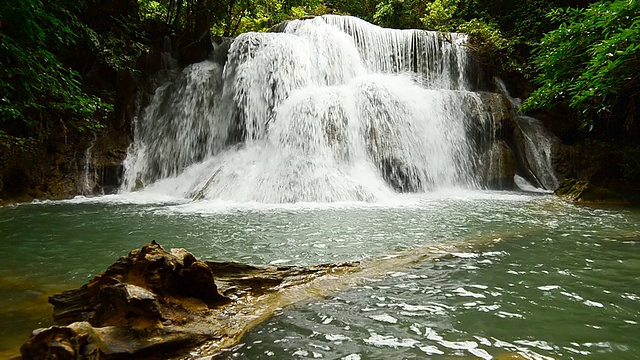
[
  {"x": 583, "y": 191},
  {"x": 131, "y": 289},
  {"x": 155, "y": 304},
  {"x": 501, "y": 167}
]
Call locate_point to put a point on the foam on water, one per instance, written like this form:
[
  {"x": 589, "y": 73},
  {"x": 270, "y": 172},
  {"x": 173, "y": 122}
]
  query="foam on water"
[{"x": 168, "y": 204}]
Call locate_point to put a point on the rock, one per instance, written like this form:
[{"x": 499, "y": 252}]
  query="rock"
[
  {"x": 400, "y": 175},
  {"x": 196, "y": 280},
  {"x": 62, "y": 343},
  {"x": 534, "y": 147},
  {"x": 128, "y": 304},
  {"x": 501, "y": 167},
  {"x": 126, "y": 292},
  {"x": 80, "y": 340},
  {"x": 490, "y": 133},
  {"x": 154, "y": 304},
  {"x": 584, "y": 192}
]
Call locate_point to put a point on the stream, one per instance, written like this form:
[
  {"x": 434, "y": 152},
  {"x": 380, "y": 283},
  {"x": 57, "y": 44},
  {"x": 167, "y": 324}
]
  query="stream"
[{"x": 530, "y": 274}]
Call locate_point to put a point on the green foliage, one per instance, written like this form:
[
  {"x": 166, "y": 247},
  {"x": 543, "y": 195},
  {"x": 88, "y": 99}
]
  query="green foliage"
[
  {"x": 251, "y": 15},
  {"x": 10, "y": 143},
  {"x": 38, "y": 91},
  {"x": 153, "y": 10},
  {"x": 630, "y": 162},
  {"x": 364, "y": 9},
  {"x": 522, "y": 20},
  {"x": 590, "y": 62},
  {"x": 399, "y": 14},
  {"x": 439, "y": 15},
  {"x": 254, "y": 16},
  {"x": 491, "y": 45},
  {"x": 512, "y": 26},
  {"x": 116, "y": 52},
  {"x": 226, "y": 18}
]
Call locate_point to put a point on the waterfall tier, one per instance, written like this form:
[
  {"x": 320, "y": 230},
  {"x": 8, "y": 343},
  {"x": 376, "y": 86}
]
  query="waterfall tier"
[{"x": 329, "y": 109}]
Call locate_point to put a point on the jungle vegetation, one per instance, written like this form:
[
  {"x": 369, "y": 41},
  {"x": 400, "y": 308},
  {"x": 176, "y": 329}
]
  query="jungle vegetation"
[{"x": 62, "y": 62}]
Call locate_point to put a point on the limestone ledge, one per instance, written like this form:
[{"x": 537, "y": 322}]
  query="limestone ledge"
[{"x": 155, "y": 303}]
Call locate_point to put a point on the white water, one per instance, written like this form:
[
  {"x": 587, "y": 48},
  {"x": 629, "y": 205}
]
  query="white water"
[
  {"x": 180, "y": 127},
  {"x": 333, "y": 109}
]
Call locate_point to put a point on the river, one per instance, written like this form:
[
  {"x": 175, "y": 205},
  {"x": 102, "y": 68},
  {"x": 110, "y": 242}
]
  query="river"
[{"x": 530, "y": 274}]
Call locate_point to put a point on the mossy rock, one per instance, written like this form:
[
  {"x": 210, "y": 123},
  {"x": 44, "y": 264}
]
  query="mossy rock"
[{"x": 585, "y": 192}]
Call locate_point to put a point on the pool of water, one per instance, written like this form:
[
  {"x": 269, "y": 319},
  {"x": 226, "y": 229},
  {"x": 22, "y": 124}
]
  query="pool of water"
[{"x": 530, "y": 274}]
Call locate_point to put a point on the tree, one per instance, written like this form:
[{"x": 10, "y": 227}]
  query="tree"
[
  {"x": 251, "y": 15},
  {"x": 39, "y": 92},
  {"x": 590, "y": 64}
]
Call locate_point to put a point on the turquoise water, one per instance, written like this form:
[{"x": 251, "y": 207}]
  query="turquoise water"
[{"x": 531, "y": 274}]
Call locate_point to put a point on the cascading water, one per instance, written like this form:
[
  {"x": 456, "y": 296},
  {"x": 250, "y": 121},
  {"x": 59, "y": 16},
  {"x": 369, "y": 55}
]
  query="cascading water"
[
  {"x": 89, "y": 173},
  {"x": 331, "y": 109},
  {"x": 180, "y": 127}
]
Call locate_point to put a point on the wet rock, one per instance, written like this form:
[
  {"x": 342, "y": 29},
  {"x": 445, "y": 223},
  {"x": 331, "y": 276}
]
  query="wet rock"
[
  {"x": 400, "y": 175},
  {"x": 501, "y": 168},
  {"x": 585, "y": 192},
  {"x": 129, "y": 305},
  {"x": 154, "y": 304},
  {"x": 139, "y": 303},
  {"x": 126, "y": 292},
  {"x": 196, "y": 280},
  {"x": 81, "y": 340},
  {"x": 492, "y": 138},
  {"x": 537, "y": 152},
  {"x": 62, "y": 343}
]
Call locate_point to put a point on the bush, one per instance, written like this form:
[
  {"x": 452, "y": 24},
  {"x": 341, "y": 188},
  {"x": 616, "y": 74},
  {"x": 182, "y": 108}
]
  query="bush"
[
  {"x": 39, "y": 92},
  {"x": 590, "y": 63}
]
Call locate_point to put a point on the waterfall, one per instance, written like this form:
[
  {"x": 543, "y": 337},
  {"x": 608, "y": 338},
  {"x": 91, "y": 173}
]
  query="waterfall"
[
  {"x": 180, "y": 127},
  {"x": 439, "y": 58},
  {"x": 88, "y": 176},
  {"x": 329, "y": 109}
]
